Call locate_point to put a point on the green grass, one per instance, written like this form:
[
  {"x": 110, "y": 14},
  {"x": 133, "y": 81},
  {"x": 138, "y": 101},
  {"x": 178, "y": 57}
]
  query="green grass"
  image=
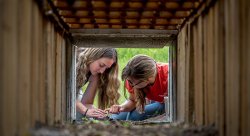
[{"x": 125, "y": 54}]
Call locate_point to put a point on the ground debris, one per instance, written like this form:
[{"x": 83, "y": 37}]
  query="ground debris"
[{"x": 123, "y": 128}]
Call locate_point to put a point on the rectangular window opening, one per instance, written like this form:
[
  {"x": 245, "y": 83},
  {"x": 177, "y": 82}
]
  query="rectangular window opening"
[{"x": 166, "y": 55}]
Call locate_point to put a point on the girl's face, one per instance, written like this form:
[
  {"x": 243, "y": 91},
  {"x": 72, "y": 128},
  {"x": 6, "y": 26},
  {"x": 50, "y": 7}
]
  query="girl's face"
[
  {"x": 100, "y": 65},
  {"x": 138, "y": 84}
]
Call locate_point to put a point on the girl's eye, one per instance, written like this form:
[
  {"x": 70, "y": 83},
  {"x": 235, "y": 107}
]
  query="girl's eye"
[{"x": 101, "y": 65}]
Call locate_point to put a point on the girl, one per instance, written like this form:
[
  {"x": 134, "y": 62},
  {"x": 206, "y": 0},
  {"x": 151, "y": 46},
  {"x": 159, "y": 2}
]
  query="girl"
[
  {"x": 98, "y": 67},
  {"x": 144, "y": 78}
]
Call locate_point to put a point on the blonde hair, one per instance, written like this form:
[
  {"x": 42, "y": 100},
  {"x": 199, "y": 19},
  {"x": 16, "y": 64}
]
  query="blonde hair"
[
  {"x": 109, "y": 83},
  {"x": 140, "y": 67}
]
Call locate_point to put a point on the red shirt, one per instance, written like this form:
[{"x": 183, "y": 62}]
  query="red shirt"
[{"x": 159, "y": 89}]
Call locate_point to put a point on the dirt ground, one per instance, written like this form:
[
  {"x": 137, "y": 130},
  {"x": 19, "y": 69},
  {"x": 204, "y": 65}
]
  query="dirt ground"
[{"x": 122, "y": 128}]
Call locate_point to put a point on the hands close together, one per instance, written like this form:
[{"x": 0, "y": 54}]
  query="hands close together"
[{"x": 100, "y": 114}]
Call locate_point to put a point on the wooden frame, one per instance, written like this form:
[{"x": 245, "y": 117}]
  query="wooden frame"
[{"x": 81, "y": 39}]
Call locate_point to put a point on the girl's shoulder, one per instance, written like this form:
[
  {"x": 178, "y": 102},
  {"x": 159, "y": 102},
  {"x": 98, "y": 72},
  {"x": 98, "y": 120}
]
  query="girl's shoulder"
[
  {"x": 162, "y": 65},
  {"x": 162, "y": 68}
]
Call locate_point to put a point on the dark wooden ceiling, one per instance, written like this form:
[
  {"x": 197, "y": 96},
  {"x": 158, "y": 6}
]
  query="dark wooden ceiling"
[{"x": 125, "y": 14}]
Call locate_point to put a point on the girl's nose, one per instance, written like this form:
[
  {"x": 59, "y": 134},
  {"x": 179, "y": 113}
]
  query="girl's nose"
[{"x": 101, "y": 70}]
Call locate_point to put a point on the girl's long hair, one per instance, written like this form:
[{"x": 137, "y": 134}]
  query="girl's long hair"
[
  {"x": 108, "y": 85},
  {"x": 140, "y": 67}
]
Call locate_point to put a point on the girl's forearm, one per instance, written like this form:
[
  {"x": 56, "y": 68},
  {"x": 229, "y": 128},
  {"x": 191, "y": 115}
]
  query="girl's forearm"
[
  {"x": 80, "y": 107},
  {"x": 127, "y": 106},
  {"x": 90, "y": 92}
]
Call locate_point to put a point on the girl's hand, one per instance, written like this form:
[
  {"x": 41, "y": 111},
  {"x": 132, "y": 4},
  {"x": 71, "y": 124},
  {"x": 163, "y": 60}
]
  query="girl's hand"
[
  {"x": 115, "y": 109},
  {"x": 96, "y": 113}
]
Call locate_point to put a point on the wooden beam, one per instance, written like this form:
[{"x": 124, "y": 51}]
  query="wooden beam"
[
  {"x": 114, "y": 32},
  {"x": 127, "y": 42}
]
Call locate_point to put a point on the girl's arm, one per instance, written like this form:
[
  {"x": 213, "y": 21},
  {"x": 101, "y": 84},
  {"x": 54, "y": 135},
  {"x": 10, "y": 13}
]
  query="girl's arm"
[
  {"x": 127, "y": 106},
  {"x": 80, "y": 107},
  {"x": 90, "y": 92}
]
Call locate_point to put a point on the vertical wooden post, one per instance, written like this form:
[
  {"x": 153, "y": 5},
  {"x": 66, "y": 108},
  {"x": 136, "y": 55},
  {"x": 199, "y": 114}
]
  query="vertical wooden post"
[
  {"x": 24, "y": 59},
  {"x": 198, "y": 74},
  {"x": 50, "y": 96},
  {"x": 42, "y": 68},
  {"x": 244, "y": 19},
  {"x": 232, "y": 67},
  {"x": 58, "y": 66},
  {"x": 9, "y": 67},
  {"x": 35, "y": 64},
  {"x": 181, "y": 75},
  {"x": 1, "y": 64},
  {"x": 219, "y": 72},
  {"x": 209, "y": 48},
  {"x": 70, "y": 75},
  {"x": 63, "y": 96}
]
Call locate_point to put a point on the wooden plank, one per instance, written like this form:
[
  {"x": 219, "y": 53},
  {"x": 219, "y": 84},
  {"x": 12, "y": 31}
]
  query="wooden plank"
[
  {"x": 248, "y": 66},
  {"x": 70, "y": 77},
  {"x": 247, "y": 130},
  {"x": 201, "y": 69},
  {"x": 219, "y": 72},
  {"x": 198, "y": 75},
  {"x": 205, "y": 85},
  {"x": 189, "y": 75},
  {"x": 58, "y": 66},
  {"x": 232, "y": 67},
  {"x": 9, "y": 67},
  {"x": 35, "y": 65},
  {"x": 1, "y": 64},
  {"x": 64, "y": 85},
  {"x": 42, "y": 68},
  {"x": 24, "y": 62},
  {"x": 1, "y": 68},
  {"x": 244, "y": 68},
  {"x": 187, "y": 72},
  {"x": 50, "y": 96},
  {"x": 181, "y": 75},
  {"x": 210, "y": 67}
]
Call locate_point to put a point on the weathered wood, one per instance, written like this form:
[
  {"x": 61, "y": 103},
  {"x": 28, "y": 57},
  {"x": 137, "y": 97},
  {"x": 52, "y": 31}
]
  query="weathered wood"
[
  {"x": 35, "y": 64},
  {"x": 58, "y": 95},
  {"x": 50, "y": 71},
  {"x": 219, "y": 72},
  {"x": 209, "y": 67},
  {"x": 198, "y": 75},
  {"x": 24, "y": 63},
  {"x": 9, "y": 68},
  {"x": 122, "y": 38},
  {"x": 181, "y": 75},
  {"x": 188, "y": 76},
  {"x": 232, "y": 67},
  {"x": 1, "y": 64},
  {"x": 42, "y": 69},
  {"x": 244, "y": 69},
  {"x": 64, "y": 83},
  {"x": 69, "y": 76}
]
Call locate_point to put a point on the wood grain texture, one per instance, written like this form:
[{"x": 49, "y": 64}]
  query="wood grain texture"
[
  {"x": 9, "y": 67},
  {"x": 24, "y": 63}
]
